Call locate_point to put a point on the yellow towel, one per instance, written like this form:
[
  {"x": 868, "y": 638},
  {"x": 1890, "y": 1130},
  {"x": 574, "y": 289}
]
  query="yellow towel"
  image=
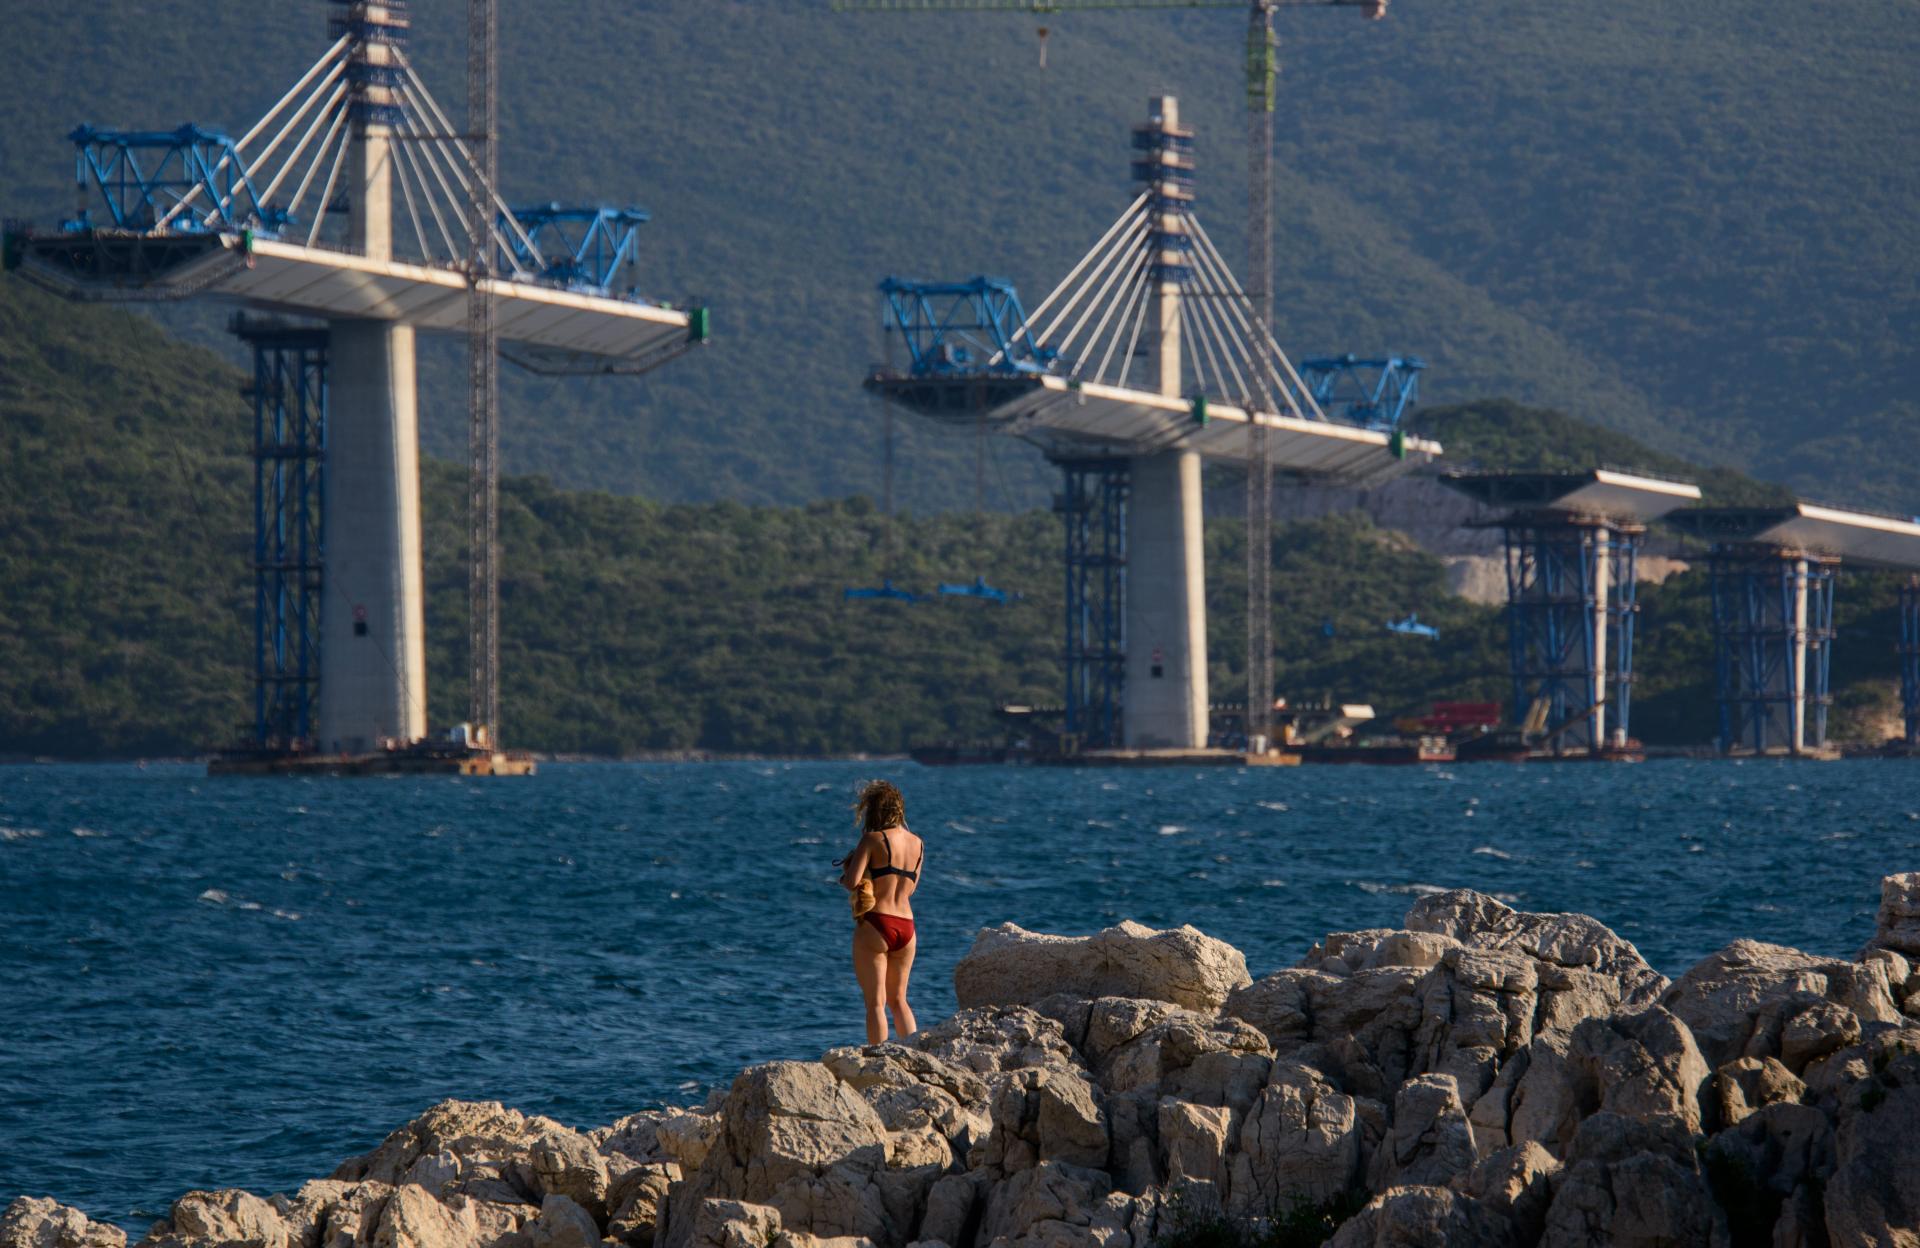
[{"x": 862, "y": 898}]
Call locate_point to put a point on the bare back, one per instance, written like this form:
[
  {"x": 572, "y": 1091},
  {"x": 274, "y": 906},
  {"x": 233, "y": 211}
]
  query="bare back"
[{"x": 894, "y": 867}]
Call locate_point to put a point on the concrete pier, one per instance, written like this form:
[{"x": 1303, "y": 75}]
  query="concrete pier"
[
  {"x": 373, "y": 683},
  {"x": 1166, "y": 698}
]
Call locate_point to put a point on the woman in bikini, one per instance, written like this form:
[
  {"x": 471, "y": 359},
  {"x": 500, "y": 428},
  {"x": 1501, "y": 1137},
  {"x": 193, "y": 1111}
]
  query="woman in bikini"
[{"x": 883, "y": 943}]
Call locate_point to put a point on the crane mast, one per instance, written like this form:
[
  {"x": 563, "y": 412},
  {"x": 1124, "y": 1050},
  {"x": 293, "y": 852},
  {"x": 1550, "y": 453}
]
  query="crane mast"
[
  {"x": 483, "y": 376},
  {"x": 1262, "y": 71}
]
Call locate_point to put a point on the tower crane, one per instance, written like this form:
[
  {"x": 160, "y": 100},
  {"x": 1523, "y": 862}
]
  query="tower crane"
[{"x": 1262, "y": 73}]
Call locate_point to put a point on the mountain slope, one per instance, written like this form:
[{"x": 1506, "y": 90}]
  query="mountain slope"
[{"x": 1687, "y": 223}]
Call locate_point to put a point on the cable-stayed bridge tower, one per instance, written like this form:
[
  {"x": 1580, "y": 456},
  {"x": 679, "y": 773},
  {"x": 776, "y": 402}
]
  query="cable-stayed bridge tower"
[
  {"x": 1146, "y": 361},
  {"x": 356, "y": 202}
]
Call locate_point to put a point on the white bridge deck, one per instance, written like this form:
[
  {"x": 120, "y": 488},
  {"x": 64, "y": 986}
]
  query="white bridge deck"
[
  {"x": 1066, "y": 417},
  {"x": 278, "y": 276},
  {"x": 1601, "y": 493},
  {"x": 1854, "y": 536}
]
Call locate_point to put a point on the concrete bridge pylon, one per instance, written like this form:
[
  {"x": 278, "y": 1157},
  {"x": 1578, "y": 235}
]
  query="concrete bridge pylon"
[{"x": 1166, "y": 621}]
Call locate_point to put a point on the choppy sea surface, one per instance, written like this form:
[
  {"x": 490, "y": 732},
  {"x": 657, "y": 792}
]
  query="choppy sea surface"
[{"x": 212, "y": 983}]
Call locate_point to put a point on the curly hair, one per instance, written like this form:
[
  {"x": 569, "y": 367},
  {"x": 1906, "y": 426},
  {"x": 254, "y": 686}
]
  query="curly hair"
[{"x": 879, "y": 806}]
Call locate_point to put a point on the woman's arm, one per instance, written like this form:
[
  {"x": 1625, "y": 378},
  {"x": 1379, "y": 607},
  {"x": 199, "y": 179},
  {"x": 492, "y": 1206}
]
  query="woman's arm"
[{"x": 854, "y": 865}]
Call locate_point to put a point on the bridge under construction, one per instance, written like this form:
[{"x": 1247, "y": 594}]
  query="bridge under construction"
[
  {"x": 1148, "y": 359},
  {"x": 358, "y": 206}
]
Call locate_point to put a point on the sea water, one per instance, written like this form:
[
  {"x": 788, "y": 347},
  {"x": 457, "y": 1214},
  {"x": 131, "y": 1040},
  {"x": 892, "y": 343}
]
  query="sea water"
[{"x": 240, "y": 982}]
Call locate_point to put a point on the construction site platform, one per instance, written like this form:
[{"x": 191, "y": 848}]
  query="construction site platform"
[{"x": 412, "y": 761}]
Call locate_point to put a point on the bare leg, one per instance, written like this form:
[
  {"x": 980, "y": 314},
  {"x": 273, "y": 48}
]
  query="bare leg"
[
  {"x": 870, "y": 967},
  {"x": 899, "y": 966}
]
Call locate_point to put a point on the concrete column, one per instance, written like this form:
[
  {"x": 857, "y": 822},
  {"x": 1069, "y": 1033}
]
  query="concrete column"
[
  {"x": 373, "y": 622},
  {"x": 1166, "y": 693},
  {"x": 373, "y": 619},
  {"x": 1602, "y": 592}
]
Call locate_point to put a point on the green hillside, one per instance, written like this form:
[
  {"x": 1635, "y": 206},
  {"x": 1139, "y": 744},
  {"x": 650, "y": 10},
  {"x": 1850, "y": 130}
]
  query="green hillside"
[
  {"x": 1688, "y": 223},
  {"x": 633, "y": 625}
]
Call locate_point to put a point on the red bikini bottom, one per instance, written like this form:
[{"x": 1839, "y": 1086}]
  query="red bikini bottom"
[{"x": 896, "y": 931}]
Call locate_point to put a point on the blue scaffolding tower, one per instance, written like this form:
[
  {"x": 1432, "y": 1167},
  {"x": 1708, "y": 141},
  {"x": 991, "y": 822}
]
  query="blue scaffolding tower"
[
  {"x": 1566, "y": 575},
  {"x": 1093, "y": 509},
  {"x": 289, "y": 395},
  {"x": 1910, "y": 658},
  {"x": 1773, "y": 647}
]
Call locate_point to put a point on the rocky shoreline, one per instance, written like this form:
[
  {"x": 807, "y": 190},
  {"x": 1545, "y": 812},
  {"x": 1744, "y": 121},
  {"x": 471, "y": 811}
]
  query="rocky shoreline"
[{"x": 1479, "y": 1076}]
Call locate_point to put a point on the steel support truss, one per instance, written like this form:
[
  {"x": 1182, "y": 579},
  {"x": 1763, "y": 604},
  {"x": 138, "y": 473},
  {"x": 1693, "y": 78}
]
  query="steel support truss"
[
  {"x": 1773, "y": 646},
  {"x": 1910, "y": 659},
  {"x": 1093, "y": 510},
  {"x": 1571, "y": 615},
  {"x": 289, "y": 395}
]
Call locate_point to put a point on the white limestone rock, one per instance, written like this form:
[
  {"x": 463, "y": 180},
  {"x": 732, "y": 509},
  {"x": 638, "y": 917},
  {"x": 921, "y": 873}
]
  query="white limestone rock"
[
  {"x": 1898, "y": 925},
  {"x": 1424, "y": 1217},
  {"x": 201, "y": 1219},
  {"x": 1303, "y": 1139},
  {"x": 1569, "y": 941},
  {"x": 37, "y": 1222},
  {"x": 996, "y": 1040},
  {"x": 1631, "y": 1183},
  {"x": 1009, "y": 965},
  {"x": 533, "y": 1155},
  {"x": 1873, "y": 1197},
  {"x": 1430, "y": 1141},
  {"x": 1742, "y": 1001}
]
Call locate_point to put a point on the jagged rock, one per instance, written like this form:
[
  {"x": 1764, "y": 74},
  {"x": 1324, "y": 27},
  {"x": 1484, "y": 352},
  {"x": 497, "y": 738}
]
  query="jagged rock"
[
  {"x": 412, "y": 1218},
  {"x": 1630, "y": 1183},
  {"x": 637, "y": 1200},
  {"x": 1302, "y": 1139},
  {"x": 1898, "y": 926},
  {"x": 563, "y": 1223},
  {"x": 1277, "y": 1004},
  {"x": 1430, "y": 1141},
  {"x": 1009, "y": 965},
  {"x": 224, "y": 1217},
  {"x": 1424, "y": 1217},
  {"x": 1742, "y": 1086},
  {"x": 1138, "y": 1044},
  {"x": 1343, "y": 953},
  {"x": 1741, "y": 1001},
  {"x": 951, "y": 1203},
  {"x": 326, "y": 1213},
  {"x": 1569, "y": 941},
  {"x": 995, "y": 1040},
  {"x": 660, "y": 1135},
  {"x": 931, "y": 1108},
  {"x": 1757, "y": 1168},
  {"x": 534, "y": 1156},
  {"x": 734, "y": 1224},
  {"x": 1642, "y": 1065},
  {"x": 1873, "y": 1197},
  {"x": 1047, "y": 1115},
  {"x": 1049, "y": 1193},
  {"x": 1194, "y": 1149},
  {"x": 794, "y": 1137},
  {"x": 1516, "y": 1182},
  {"x": 36, "y": 1222}
]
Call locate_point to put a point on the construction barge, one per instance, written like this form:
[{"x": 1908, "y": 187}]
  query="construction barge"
[{"x": 460, "y": 753}]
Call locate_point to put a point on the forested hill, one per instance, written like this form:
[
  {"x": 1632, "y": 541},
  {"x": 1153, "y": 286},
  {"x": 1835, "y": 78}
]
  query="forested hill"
[
  {"x": 629, "y": 625},
  {"x": 1688, "y": 222}
]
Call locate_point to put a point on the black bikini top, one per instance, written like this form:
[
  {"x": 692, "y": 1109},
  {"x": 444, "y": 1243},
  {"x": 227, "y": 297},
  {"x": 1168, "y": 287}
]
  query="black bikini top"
[{"x": 874, "y": 873}]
